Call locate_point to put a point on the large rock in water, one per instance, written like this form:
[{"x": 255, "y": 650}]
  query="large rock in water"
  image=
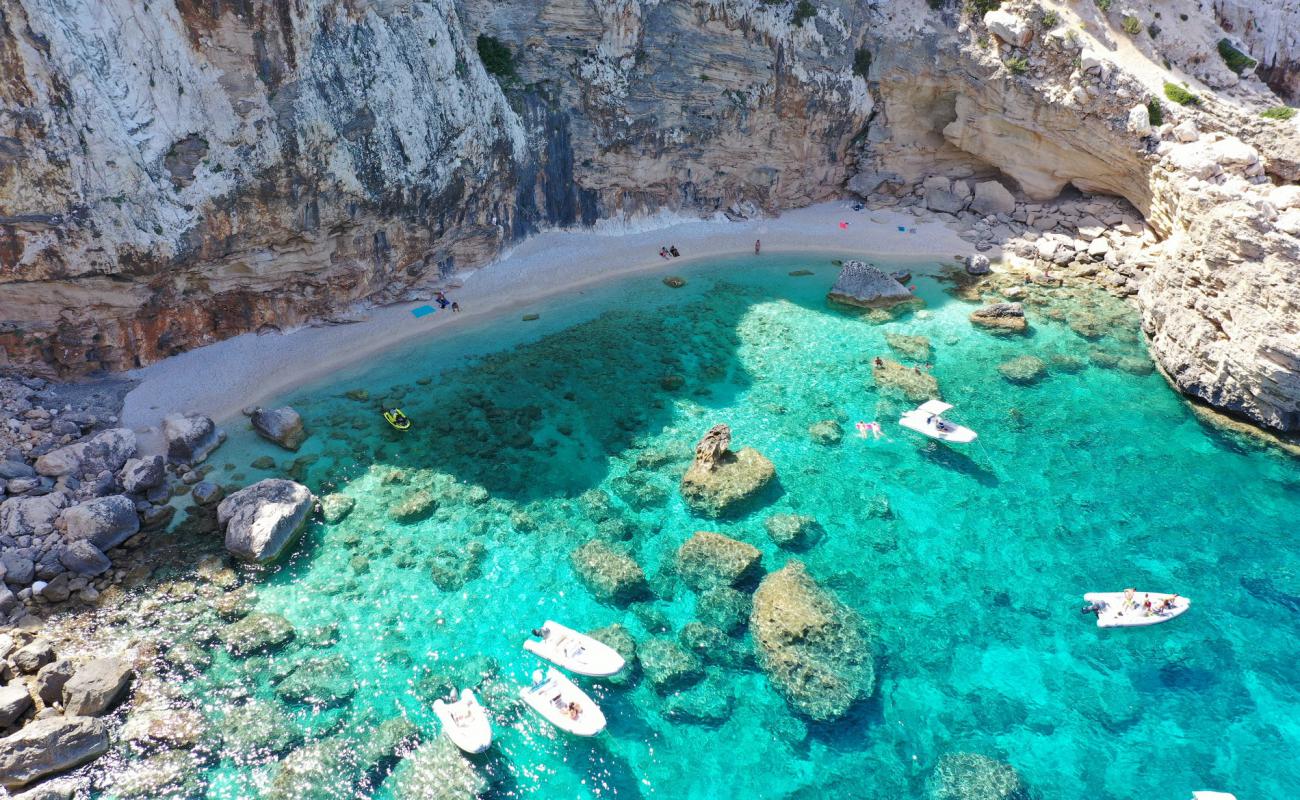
[
  {"x": 709, "y": 560},
  {"x": 281, "y": 425},
  {"x": 1000, "y": 317},
  {"x": 719, "y": 480},
  {"x": 860, "y": 284},
  {"x": 437, "y": 771},
  {"x": 970, "y": 776},
  {"x": 256, "y": 633},
  {"x": 911, "y": 382},
  {"x": 190, "y": 437},
  {"x": 50, "y": 745},
  {"x": 96, "y": 687},
  {"x": 106, "y": 450},
  {"x": 609, "y": 574},
  {"x": 105, "y": 522},
  {"x": 815, "y": 650},
  {"x": 262, "y": 519}
]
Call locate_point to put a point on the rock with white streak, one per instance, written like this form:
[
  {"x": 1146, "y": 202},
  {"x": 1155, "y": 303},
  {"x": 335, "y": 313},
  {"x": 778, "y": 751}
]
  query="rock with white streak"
[
  {"x": 105, "y": 522},
  {"x": 106, "y": 450},
  {"x": 191, "y": 438},
  {"x": 262, "y": 519},
  {"x": 49, "y": 746}
]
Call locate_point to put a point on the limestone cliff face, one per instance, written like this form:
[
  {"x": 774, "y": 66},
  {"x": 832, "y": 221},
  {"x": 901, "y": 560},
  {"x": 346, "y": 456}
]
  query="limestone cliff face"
[
  {"x": 1271, "y": 30},
  {"x": 180, "y": 171}
]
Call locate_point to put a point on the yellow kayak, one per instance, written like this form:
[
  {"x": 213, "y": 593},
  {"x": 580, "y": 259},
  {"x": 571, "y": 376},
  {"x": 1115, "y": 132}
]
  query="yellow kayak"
[{"x": 397, "y": 419}]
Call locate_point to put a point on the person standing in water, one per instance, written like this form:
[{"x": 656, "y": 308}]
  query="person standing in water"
[{"x": 758, "y": 245}]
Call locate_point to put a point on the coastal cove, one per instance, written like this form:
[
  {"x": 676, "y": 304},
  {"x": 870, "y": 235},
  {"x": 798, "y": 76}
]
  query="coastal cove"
[{"x": 966, "y": 567}]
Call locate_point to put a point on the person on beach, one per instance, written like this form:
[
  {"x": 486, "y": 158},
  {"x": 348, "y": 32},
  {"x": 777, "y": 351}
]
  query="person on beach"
[
  {"x": 455, "y": 307},
  {"x": 758, "y": 245},
  {"x": 673, "y": 250},
  {"x": 663, "y": 253}
]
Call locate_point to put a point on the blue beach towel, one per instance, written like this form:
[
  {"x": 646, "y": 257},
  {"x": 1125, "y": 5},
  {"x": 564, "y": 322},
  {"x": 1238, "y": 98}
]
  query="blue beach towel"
[
  {"x": 901, "y": 228},
  {"x": 422, "y": 311}
]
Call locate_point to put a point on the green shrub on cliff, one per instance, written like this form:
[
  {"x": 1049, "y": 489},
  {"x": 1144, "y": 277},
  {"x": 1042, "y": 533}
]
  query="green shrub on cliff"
[
  {"x": 862, "y": 62},
  {"x": 1236, "y": 60},
  {"x": 803, "y": 12},
  {"x": 1155, "y": 113},
  {"x": 1104, "y": 5},
  {"x": 1017, "y": 65},
  {"x": 982, "y": 7},
  {"x": 1278, "y": 112},
  {"x": 1131, "y": 25},
  {"x": 496, "y": 57},
  {"x": 1180, "y": 95}
]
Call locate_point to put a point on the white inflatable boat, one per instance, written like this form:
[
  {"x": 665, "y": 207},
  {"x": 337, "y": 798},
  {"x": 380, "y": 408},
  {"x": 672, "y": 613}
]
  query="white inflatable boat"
[
  {"x": 1129, "y": 609},
  {"x": 563, "y": 704},
  {"x": 576, "y": 652},
  {"x": 927, "y": 418},
  {"x": 465, "y": 722},
  {"x": 1213, "y": 796}
]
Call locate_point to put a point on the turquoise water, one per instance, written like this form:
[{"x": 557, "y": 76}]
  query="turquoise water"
[{"x": 968, "y": 563}]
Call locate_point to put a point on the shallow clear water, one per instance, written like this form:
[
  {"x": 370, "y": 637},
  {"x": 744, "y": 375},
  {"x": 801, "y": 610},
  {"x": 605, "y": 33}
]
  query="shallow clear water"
[{"x": 968, "y": 563}]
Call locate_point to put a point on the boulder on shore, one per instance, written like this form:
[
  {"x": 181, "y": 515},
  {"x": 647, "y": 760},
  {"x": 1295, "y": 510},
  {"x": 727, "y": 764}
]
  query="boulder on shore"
[
  {"x": 139, "y": 475},
  {"x": 191, "y": 438},
  {"x": 281, "y": 425},
  {"x": 96, "y": 687},
  {"x": 1000, "y": 317},
  {"x": 84, "y": 558},
  {"x": 48, "y": 746},
  {"x": 262, "y": 519},
  {"x": 105, "y": 522},
  {"x": 815, "y": 650},
  {"x": 862, "y": 285},
  {"x": 609, "y": 574},
  {"x": 719, "y": 481},
  {"x": 709, "y": 560},
  {"x": 106, "y": 450}
]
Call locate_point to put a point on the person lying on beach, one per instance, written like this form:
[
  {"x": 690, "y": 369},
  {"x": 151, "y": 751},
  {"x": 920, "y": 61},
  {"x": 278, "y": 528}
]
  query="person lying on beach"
[{"x": 673, "y": 250}]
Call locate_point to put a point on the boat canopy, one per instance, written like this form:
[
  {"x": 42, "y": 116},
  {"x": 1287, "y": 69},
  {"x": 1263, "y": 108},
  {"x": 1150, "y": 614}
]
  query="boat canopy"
[{"x": 933, "y": 407}]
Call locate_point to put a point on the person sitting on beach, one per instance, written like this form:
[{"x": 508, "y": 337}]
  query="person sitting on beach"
[
  {"x": 673, "y": 250},
  {"x": 455, "y": 307},
  {"x": 663, "y": 253}
]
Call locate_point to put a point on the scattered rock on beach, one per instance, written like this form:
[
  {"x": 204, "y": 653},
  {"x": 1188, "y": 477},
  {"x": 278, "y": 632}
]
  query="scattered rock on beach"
[
  {"x": 106, "y": 450},
  {"x": 191, "y": 438},
  {"x": 105, "y": 522},
  {"x": 142, "y": 474},
  {"x": 96, "y": 687},
  {"x": 815, "y": 650},
  {"x": 262, "y": 519},
  {"x": 860, "y": 284},
  {"x": 1001, "y": 317},
  {"x": 609, "y": 574},
  {"x": 708, "y": 560},
  {"x": 280, "y": 425}
]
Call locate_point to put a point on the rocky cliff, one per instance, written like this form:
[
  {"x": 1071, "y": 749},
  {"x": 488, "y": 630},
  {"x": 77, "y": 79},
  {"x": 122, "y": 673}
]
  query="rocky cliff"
[
  {"x": 207, "y": 168},
  {"x": 180, "y": 173}
]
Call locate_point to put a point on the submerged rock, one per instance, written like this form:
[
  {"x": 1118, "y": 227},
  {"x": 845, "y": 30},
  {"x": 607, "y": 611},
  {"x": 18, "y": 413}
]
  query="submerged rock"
[
  {"x": 815, "y": 650},
  {"x": 609, "y": 574},
  {"x": 827, "y": 432},
  {"x": 719, "y": 481},
  {"x": 860, "y": 284},
  {"x": 48, "y": 746},
  {"x": 910, "y": 382},
  {"x": 280, "y": 425},
  {"x": 259, "y": 729},
  {"x": 724, "y": 608},
  {"x": 970, "y": 776},
  {"x": 318, "y": 682},
  {"x": 707, "y": 703},
  {"x": 263, "y": 519},
  {"x": 1023, "y": 370},
  {"x": 709, "y": 560},
  {"x": 621, "y": 639},
  {"x": 413, "y": 507},
  {"x": 174, "y": 774},
  {"x": 668, "y": 666},
  {"x": 793, "y": 531},
  {"x": 1001, "y": 317},
  {"x": 437, "y": 771},
  {"x": 913, "y": 348},
  {"x": 336, "y": 507},
  {"x": 256, "y": 633}
]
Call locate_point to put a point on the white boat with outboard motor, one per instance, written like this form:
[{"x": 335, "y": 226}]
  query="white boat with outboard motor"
[
  {"x": 927, "y": 418},
  {"x": 563, "y": 704},
  {"x": 1133, "y": 609},
  {"x": 465, "y": 722},
  {"x": 576, "y": 652}
]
